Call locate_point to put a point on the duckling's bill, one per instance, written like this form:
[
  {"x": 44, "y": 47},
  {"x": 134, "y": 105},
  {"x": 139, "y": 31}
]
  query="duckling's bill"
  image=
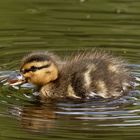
[{"x": 16, "y": 80}]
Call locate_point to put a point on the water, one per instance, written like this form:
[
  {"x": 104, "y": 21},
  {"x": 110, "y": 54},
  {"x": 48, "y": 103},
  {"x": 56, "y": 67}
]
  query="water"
[{"x": 64, "y": 26}]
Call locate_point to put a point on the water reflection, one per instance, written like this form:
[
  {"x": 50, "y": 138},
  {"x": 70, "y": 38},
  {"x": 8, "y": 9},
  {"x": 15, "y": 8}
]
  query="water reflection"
[
  {"x": 37, "y": 118},
  {"x": 70, "y": 115}
]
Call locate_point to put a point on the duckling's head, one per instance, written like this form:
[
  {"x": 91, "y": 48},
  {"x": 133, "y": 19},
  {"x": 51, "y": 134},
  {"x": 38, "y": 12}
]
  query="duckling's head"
[{"x": 39, "y": 68}]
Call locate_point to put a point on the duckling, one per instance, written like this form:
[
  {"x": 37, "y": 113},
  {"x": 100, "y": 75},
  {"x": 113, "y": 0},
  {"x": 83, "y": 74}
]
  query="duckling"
[{"x": 82, "y": 76}]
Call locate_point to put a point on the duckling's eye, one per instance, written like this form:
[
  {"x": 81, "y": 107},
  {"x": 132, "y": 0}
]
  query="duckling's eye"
[{"x": 33, "y": 68}]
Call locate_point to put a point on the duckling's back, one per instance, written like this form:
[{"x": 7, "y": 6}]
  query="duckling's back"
[{"x": 91, "y": 74}]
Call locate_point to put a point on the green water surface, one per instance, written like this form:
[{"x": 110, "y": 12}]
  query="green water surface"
[{"x": 64, "y": 26}]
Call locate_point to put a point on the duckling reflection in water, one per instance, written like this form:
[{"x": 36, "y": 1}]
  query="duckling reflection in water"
[
  {"x": 81, "y": 76},
  {"x": 36, "y": 118}
]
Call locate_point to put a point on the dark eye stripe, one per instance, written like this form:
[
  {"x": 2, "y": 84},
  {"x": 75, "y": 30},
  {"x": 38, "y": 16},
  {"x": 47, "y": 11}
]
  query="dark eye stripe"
[{"x": 34, "y": 68}]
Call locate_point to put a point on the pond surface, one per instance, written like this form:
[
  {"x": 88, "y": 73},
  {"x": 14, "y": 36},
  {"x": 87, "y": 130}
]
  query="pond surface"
[{"x": 65, "y": 26}]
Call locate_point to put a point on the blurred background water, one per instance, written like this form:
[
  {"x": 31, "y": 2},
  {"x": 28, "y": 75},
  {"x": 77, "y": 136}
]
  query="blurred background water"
[{"x": 65, "y": 26}]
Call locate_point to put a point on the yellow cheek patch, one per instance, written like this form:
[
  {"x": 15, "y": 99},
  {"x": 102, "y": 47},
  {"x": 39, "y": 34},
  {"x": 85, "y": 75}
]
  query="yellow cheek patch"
[{"x": 42, "y": 75}]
